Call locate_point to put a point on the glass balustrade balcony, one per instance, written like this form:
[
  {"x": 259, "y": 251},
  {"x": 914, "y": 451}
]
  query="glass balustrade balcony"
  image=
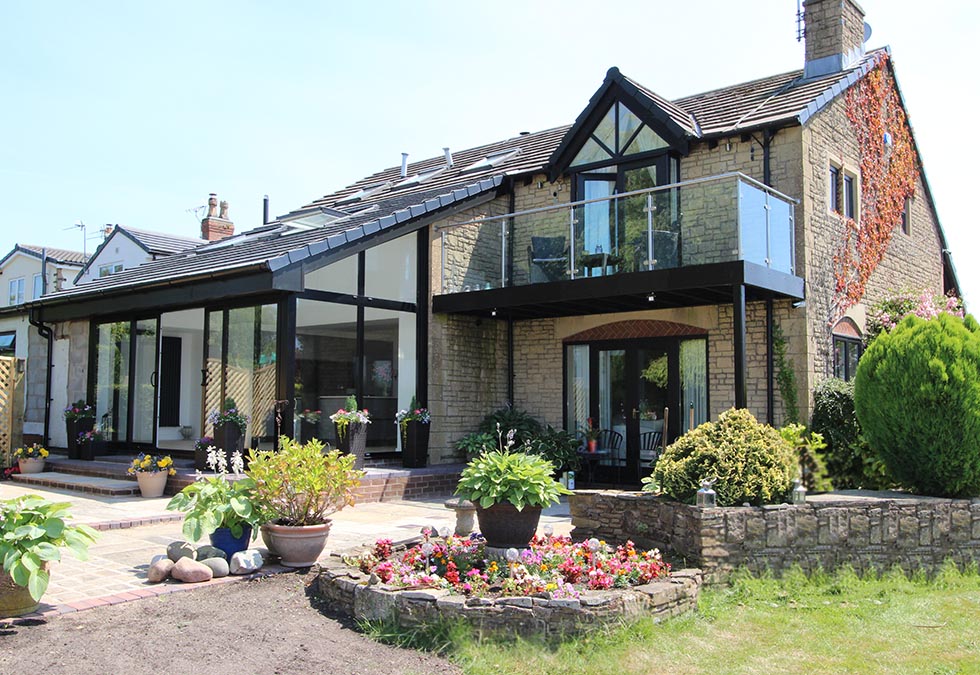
[{"x": 718, "y": 219}]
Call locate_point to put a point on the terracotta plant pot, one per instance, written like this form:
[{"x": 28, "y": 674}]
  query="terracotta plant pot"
[
  {"x": 14, "y": 600},
  {"x": 298, "y": 546},
  {"x": 152, "y": 483},
  {"x": 31, "y": 464},
  {"x": 503, "y": 526}
]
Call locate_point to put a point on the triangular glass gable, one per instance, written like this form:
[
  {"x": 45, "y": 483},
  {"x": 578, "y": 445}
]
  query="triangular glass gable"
[{"x": 619, "y": 133}]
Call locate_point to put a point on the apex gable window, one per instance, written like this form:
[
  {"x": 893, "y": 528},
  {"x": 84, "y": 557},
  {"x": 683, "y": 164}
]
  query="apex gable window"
[{"x": 620, "y": 134}]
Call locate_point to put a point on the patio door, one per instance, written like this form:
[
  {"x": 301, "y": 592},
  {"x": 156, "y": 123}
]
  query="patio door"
[{"x": 626, "y": 387}]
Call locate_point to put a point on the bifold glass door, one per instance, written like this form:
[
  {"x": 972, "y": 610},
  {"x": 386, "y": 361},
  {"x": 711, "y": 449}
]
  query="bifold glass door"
[{"x": 124, "y": 378}]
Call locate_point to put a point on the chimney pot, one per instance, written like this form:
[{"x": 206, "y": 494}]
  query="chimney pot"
[{"x": 214, "y": 225}]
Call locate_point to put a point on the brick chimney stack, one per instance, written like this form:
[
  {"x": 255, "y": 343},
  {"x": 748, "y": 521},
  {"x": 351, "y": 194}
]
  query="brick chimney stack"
[
  {"x": 215, "y": 225},
  {"x": 834, "y": 31}
]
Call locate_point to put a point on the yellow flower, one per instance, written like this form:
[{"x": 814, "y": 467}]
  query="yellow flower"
[
  {"x": 44, "y": 453},
  {"x": 162, "y": 464}
]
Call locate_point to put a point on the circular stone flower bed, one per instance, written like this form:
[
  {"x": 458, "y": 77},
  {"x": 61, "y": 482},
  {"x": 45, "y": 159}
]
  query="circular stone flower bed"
[{"x": 554, "y": 586}]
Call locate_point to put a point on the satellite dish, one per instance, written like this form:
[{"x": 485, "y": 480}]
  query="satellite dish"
[{"x": 867, "y": 31}]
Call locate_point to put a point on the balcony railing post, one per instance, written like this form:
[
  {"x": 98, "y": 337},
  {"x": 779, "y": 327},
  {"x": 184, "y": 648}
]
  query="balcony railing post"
[
  {"x": 650, "y": 252},
  {"x": 768, "y": 210},
  {"x": 571, "y": 240},
  {"x": 792, "y": 239}
]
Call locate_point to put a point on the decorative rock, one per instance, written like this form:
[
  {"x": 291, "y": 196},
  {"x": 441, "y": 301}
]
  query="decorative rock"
[
  {"x": 158, "y": 558},
  {"x": 205, "y": 552},
  {"x": 219, "y": 566},
  {"x": 180, "y": 549},
  {"x": 159, "y": 569},
  {"x": 246, "y": 562},
  {"x": 191, "y": 572}
]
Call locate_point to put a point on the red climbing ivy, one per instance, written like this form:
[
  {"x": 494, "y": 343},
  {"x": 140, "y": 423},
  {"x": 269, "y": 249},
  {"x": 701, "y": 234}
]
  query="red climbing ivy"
[{"x": 888, "y": 177}]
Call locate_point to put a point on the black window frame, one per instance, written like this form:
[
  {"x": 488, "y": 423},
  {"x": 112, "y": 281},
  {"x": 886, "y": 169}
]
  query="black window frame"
[
  {"x": 842, "y": 366},
  {"x": 835, "y": 188},
  {"x": 849, "y": 195},
  {"x": 12, "y": 349}
]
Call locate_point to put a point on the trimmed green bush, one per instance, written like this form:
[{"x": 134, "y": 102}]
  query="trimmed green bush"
[
  {"x": 751, "y": 462},
  {"x": 849, "y": 460},
  {"x": 917, "y": 396}
]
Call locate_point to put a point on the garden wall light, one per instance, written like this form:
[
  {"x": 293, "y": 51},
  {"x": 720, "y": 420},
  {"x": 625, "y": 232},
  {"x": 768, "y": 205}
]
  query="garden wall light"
[
  {"x": 706, "y": 497},
  {"x": 798, "y": 495}
]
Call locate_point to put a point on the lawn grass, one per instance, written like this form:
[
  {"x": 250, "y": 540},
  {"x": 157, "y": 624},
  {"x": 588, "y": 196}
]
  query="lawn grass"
[{"x": 838, "y": 623}]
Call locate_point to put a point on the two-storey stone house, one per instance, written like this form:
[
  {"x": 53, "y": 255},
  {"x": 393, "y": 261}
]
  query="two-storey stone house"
[{"x": 648, "y": 266}]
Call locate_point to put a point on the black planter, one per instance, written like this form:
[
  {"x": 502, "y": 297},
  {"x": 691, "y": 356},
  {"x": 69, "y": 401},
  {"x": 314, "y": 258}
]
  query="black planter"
[
  {"x": 74, "y": 428},
  {"x": 415, "y": 445},
  {"x": 503, "y": 526},
  {"x": 92, "y": 449},
  {"x": 227, "y": 437},
  {"x": 353, "y": 441},
  {"x": 307, "y": 431}
]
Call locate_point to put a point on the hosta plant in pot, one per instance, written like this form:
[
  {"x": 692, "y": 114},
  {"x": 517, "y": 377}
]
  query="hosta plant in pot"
[
  {"x": 218, "y": 506},
  {"x": 32, "y": 532},
  {"x": 509, "y": 489},
  {"x": 295, "y": 489},
  {"x": 151, "y": 473}
]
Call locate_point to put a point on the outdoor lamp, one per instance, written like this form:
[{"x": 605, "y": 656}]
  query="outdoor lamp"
[
  {"x": 707, "y": 498},
  {"x": 548, "y": 530},
  {"x": 799, "y": 492}
]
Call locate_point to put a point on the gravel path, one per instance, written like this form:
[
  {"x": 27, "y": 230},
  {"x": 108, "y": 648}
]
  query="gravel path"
[{"x": 270, "y": 626}]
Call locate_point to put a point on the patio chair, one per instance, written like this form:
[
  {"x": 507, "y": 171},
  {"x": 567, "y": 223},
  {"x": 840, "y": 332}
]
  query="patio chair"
[
  {"x": 547, "y": 259},
  {"x": 612, "y": 441},
  {"x": 651, "y": 445}
]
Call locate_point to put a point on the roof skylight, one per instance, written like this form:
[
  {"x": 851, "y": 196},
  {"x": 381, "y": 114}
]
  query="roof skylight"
[
  {"x": 420, "y": 177},
  {"x": 493, "y": 159},
  {"x": 365, "y": 192}
]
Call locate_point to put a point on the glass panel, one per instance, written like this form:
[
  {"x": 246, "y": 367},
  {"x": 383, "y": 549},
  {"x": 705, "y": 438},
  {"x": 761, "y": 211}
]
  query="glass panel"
[
  {"x": 694, "y": 383},
  {"x": 612, "y": 400},
  {"x": 652, "y": 400},
  {"x": 752, "y": 216},
  {"x": 144, "y": 391},
  {"x": 599, "y": 221},
  {"x": 577, "y": 387},
  {"x": 628, "y": 124},
  {"x": 605, "y": 131},
  {"x": 390, "y": 270},
  {"x": 781, "y": 254},
  {"x": 853, "y": 354},
  {"x": 646, "y": 141},
  {"x": 590, "y": 152},
  {"x": 472, "y": 255},
  {"x": 112, "y": 379},
  {"x": 213, "y": 381},
  {"x": 339, "y": 277},
  {"x": 326, "y": 358},
  {"x": 633, "y": 215},
  {"x": 389, "y": 372},
  {"x": 544, "y": 236},
  {"x": 839, "y": 359},
  {"x": 250, "y": 371}
]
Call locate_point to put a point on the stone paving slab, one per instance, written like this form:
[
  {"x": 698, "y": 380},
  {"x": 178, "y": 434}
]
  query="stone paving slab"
[{"x": 69, "y": 481}]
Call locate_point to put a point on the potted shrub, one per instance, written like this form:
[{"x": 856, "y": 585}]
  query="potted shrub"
[
  {"x": 591, "y": 433},
  {"x": 90, "y": 444},
  {"x": 79, "y": 418},
  {"x": 296, "y": 489},
  {"x": 201, "y": 446},
  {"x": 32, "y": 530},
  {"x": 350, "y": 424},
  {"x": 230, "y": 425},
  {"x": 509, "y": 489},
  {"x": 31, "y": 460},
  {"x": 217, "y": 506},
  {"x": 151, "y": 473},
  {"x": 414, "y": 425}
]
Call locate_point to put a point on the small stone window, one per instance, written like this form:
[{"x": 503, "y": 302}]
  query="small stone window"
[
  {"x": 848, "y": 346},
  {"x": 845, "y": 191},
  {"x": 905, "y": 221}
]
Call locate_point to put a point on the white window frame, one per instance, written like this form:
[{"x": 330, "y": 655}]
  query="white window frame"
[
  {"x": 15, "y": 295},
  {"x": 38, "y": 287},
  {"x": 110, "y": 268}
]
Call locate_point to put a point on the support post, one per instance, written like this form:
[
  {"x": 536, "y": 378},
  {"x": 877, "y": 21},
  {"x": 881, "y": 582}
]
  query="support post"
[
  {"x": 770, "y": 367},
  {"x": 738, "y": 339}
]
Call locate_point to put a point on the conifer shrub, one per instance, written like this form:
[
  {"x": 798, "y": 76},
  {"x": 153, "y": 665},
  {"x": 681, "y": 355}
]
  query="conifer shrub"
[
  {"x": 750, "y": 462},
  {"x": 917, "y": 397},
  {"x": 848, "y": 459}
]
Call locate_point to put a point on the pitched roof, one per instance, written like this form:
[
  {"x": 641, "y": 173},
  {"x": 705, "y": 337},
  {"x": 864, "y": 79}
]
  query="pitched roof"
[
  {"x": 386, "y": 199},
  {"x": 160, "y": 243},
  {"x": 59, "y": 256}
]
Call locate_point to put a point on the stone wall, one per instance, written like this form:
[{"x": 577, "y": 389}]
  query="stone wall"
[
  {"x": 828, "y": 531},
  {"x": 347, "y": 590}
]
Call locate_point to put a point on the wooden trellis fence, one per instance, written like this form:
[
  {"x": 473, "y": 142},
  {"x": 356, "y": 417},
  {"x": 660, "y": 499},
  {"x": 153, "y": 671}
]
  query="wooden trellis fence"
[{"x": 11, "y": 409}]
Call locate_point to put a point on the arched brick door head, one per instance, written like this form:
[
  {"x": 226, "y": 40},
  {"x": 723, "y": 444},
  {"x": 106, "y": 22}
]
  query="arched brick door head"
[{"x": 634, "y": 329}]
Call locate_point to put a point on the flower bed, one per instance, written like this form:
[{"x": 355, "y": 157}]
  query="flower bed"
[{"x": 555, "y": 585}]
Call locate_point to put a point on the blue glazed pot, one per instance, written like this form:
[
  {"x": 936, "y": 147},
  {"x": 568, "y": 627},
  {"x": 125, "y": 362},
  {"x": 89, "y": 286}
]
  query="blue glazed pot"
[{"x": 221, "y": 538}]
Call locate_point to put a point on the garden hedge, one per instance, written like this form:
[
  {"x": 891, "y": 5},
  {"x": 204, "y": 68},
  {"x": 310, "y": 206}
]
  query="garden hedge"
[{"x": 917, "y": 397}]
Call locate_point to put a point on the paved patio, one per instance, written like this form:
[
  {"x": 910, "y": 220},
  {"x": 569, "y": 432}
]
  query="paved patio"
[{"x": 133, "y": 530}]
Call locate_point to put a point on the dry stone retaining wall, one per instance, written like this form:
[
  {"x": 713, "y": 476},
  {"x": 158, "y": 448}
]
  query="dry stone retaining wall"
[
  {"x": 346, "y": 589},
  {"x": 828, "y": 532}
]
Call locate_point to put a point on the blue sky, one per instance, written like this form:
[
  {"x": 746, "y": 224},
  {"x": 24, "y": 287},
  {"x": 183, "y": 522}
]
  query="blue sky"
[{"x": 132, "y": 113}]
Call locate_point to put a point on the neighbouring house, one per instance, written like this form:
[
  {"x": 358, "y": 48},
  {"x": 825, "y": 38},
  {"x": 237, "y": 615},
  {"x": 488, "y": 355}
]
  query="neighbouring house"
[
  {"x": 127, "y": 247},
  {"x": 648, "y": 266},
  {"x": 28, "y": 272}
]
